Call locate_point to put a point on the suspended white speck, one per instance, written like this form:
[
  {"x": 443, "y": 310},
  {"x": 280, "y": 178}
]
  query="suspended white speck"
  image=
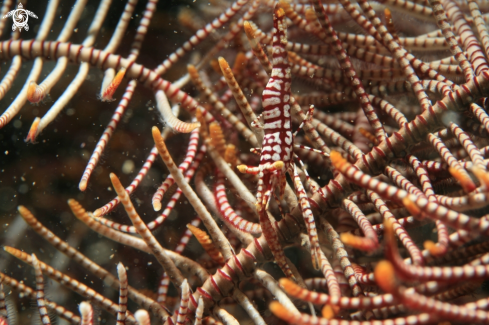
[
  {"x": 128, "y": 166},
  {"x": 6, "y": 152},
  {"x": 75, "y": 30},
  {"x": 449, "y": 117}
]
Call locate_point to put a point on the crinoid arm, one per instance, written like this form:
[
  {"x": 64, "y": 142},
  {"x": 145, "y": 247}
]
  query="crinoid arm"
[{"x": 244, "y": 162}]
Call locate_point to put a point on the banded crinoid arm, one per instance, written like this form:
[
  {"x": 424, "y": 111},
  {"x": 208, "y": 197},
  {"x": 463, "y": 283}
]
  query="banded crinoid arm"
[
  {"x": 199, "y": 312},
  {"x": 222, "y": 244},
  {"x": 146, "y": 234},
  {"x": 415, "y": 204},
  {"x": 169, "y": 181},
  {"x": 441, "y": 20},
  {"x": 41, "y": 304},
  {"x": 240, "y": 266},
  {"x": 86, "y": 312},
  {"x": 396, "y": 144},
  {"x": 207, "y": 244},
  {"x": 455, "y": 168},
  {"x": 36, "y": 93},
  {"x": 131, "y": 188},
  {"x": 439, "y": 248},
  {"x": 326, "y": 32},
  {"x": 130, "y": 88},
  {"x": 368, "y": 243},
  {"x": 464, "y": 139},
  {"x": 471, "y": 45},
  {"x": 241, "y": 100},
  {"x": 164, "y": 279},
  {"x": 71, "y": 283},
  {"x": 83, "y": 71},
  {"x": 21, "y": 98},
  {"x": 481, "y": 26},
  {"x": 207, "y": 196},
  {"x": 408, "y": 62},
  {"x": 192, "y": 155},
  {"x": 200, "y": 36},
  {"x": 106, "y": 135},
  {"x": 135, "y": 242},
  {"x": 218, "y": 237},
  {"x": 169, "y": 118},
  {"x": 430, "y": 273},
  {"x": 111, "y": 81},
  {"x": 219, "y": 107},
  {"x": 184, "y": 301},
  {"x": 232, "y": 35},
  {"x": 74, "y": 254},
  {"x": 386, "y": 278},
  {"x": 216, "y": 256},
  {"x": 405, "y": 130},
  {"x": 75, "y": 84},
  {"x": 101, "y": 59},
  {"x": 283, "y": 313},
  {"x": 28, "y": 291},
  {"x": 142, "y": 317},
  {"x": 228, "y": 213},
  {"x": 343, "y": 302},
  {"x": 121, "y": 313}
]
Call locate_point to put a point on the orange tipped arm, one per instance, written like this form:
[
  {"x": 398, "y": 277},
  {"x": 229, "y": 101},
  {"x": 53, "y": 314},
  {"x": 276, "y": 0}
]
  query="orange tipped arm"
[{"x": 112, "y": 87}]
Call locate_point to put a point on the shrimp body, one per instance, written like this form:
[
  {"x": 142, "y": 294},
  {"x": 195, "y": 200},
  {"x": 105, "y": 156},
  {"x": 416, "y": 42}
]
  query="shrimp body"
[
  {"x": 276, "y": 155},
  {"x": 276, "y": 151}
]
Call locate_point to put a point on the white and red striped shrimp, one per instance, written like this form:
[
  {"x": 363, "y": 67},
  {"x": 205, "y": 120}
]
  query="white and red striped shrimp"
[{"x": 277, "y": 147}]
